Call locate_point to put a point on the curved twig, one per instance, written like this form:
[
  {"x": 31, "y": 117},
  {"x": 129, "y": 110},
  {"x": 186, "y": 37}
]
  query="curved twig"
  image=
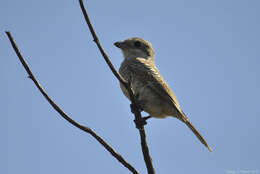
[
  {"x": 63, "y": 114},
  {"x": 135, "y": 106}
]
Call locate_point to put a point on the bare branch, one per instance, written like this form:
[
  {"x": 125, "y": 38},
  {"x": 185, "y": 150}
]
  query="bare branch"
[
  {"x": 96, "y": 40},
  {"x": 135, "y": 106},
  {"x": 63, "y": 114}
]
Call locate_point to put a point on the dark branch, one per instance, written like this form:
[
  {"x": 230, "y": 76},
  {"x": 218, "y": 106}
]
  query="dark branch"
[
  {"x": 135, "y": 107},
  {"x": 96, "y": 40},
  {"x": 63, "y": 114}
]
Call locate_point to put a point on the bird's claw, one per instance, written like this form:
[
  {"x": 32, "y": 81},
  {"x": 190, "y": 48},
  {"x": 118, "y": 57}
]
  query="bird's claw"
[
  {"x": 140, "y": 123},
  {"x": 147, "y": 117}
]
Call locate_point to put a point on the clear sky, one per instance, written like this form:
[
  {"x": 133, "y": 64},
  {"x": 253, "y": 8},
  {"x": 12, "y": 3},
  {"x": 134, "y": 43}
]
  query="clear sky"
[{"x": 208, "y": 51}]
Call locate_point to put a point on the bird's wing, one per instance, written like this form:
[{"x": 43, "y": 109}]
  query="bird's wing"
[{"x": 147, "y": 70}]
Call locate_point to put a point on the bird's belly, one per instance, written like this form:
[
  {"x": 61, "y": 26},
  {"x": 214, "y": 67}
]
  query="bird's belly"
[
  {"x": 154, "y": 104},
  {"x": 150, "y": 101}
]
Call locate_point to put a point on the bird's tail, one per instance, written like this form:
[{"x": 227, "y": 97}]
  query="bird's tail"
[{"x": 195, "y": 131}]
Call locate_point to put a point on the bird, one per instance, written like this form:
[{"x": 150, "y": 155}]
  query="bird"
[{"x": 149, "y": 87}]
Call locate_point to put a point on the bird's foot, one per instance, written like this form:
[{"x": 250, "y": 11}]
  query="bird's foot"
[
  {"x": 140, "y": 123},
  {"x": 147, "y": 117}
]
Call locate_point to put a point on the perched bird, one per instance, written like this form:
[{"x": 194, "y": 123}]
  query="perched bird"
[{"x": 151, "y": 90}]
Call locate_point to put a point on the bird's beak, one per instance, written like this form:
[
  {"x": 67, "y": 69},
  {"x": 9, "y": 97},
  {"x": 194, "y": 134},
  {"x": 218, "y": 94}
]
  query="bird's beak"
[{"x": 119, "y": 44}]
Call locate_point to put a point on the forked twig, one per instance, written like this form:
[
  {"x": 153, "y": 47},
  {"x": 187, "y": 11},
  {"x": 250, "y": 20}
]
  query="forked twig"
[
  {"x": 135, "y": 106},
  {"x": 64, "y": 115}
]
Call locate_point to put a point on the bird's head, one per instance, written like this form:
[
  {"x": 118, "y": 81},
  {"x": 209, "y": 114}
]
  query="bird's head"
[{"x": 133, "y": 48}]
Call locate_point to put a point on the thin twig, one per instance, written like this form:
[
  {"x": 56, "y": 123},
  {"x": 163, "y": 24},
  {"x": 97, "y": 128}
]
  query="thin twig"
[
  {"x": 96, "y": 40},
  {"x": 135, "y": 106},
  {"x": 63, "y": 114}
]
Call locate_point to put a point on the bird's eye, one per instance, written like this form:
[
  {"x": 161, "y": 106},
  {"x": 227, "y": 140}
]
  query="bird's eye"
[{"x": 137, "y": 44}]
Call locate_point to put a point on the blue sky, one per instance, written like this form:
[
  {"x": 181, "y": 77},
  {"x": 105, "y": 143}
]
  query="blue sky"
[{"x": 208, "y": 51}]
